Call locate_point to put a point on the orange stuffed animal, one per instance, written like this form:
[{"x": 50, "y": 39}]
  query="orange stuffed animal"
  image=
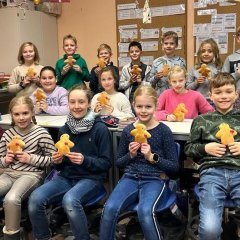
[
  {"x": 140, "y": 133},
  {"x": 165, "y": 70},
  {"x": 30, "y": 73},
  {"x": 136, "y": 70},
  {"x": 64, "y": 144},
  {"x": 16, "y": 144},
  {"x": 70, "y": 61},
  {"x": 101, "y": 63},
  {"x": 103, "y": 98},
  {"x": 39, "y": 95},
  {"x": 226, "y": 134},
  {"x": 204, "y": 70},
  {"x": 179, "y": 112}
]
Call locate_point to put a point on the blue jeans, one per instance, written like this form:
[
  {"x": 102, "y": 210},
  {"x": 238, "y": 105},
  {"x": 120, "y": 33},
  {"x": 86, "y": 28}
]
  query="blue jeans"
[
  {"x": 74, "y": 194},
  {"x": 148, "y": 191},
  {"x": 214, "y": 186}
]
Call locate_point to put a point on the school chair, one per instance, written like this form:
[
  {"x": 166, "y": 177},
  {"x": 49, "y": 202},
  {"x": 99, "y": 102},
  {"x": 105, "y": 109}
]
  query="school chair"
[
  {"x": 56, "y": 214},
  {"x": 194, "y": 221},
  {"x": 169, "y": 203}
]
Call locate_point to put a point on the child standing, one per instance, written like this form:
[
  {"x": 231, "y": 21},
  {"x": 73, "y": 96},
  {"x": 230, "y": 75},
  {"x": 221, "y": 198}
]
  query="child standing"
[
  {"x": 208, "y": 53},
  {"x": 143, "y": 164},
  {"x": 219, "y": 163},
  {"x": 23, "y": 170},
  {"x": 82, "y": 171},
  {"x": 157, "y": 78},
  {"x": 128, "y": 81},
  {"x": 56, "y": 102},
  {"x": 119, "y": 105},
  {"x": 70, "y": 74},
  {"x": 20, "y": 81},
  {"x": 194, "y": 101},
  {"x": 104, "y": 52}
]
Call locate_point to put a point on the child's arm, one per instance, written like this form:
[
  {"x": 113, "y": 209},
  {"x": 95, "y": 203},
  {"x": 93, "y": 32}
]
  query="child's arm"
[
  {"x": 203, "y": 105},
  {"x": 161, "y": 111},
  {"x": 94, "y": 83},
  {"x": 125, "y": 82},
  {"x": 191, "y": 79},
  {"x": 82, "y": 69}
]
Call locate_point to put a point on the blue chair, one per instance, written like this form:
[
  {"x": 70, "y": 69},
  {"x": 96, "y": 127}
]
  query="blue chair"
[
  {"x": 93, "y": 203},
  {"x": 170, "y": 201},
  {"x": 194, "y": 221}
]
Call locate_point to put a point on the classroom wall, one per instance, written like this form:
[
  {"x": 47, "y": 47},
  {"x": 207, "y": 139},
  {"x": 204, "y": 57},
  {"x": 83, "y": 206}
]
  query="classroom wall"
[{"x": 92, "y": 23}]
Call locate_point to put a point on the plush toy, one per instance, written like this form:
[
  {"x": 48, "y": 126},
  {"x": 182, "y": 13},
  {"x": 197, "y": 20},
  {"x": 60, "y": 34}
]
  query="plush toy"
[
  {"x": 140, "y": 133},
  {"x": 226, "y": 134},
  {"x": 30, "y": 73},
  {"x": 39, "y": 95},
  {"x": 70, "y": 61},
  {"x": 16, "y": 144},
  {"x": 204, "y": 70},
  {"x": 64, "y": 144},
  {"x": 136, "y": 70},
  {"x": 103, "y": 98},
  {"x": 165, "y": 70},
  {"x": 101, "y": 63},
  {"x": 179, "y": 112}
]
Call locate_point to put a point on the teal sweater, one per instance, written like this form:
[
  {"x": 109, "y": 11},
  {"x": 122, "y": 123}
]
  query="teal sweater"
[
  {"x": 203, "y": 131},
  {"x": 72, "y": 77}
]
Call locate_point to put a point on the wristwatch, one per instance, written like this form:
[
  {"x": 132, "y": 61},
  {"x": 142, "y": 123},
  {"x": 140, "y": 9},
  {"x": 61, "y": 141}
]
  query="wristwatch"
[
  {"x": 155, "y": 158},
  {"x": 21, "y": 85}
]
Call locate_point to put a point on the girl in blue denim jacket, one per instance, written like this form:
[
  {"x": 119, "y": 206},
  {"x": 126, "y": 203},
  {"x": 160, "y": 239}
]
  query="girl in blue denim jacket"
[{"x": 143, "y": 164}]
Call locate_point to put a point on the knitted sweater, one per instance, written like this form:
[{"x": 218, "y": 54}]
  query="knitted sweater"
[
  {"x": 162, "y": 84},
  {"x": 57, "y": 101},
  {"x": 194, "y": 101},
  {"x": 203, "y": 131},
  {"x": 119, "y": 102},
  {"x": 38, "y": 143},
  {"x": 72, "y": 77},
  {"x": 18, "y": 74},
  {"x": 161, "y": 143}
]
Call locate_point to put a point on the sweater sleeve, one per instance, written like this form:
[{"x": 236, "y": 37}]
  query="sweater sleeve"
[
  {"x": 191, "y": 80},
  {"x": 58, "y": 69},
  {"x": 84, "y": 73},
  {"x": 13, "y": 83},
  {"x": 94, "y": 85},
  {"x": 161, "y": 112},
  {"x": 3, "y": 151},
  {"x": 203, "y": 105},
  {"x": 125, "y": 77}
]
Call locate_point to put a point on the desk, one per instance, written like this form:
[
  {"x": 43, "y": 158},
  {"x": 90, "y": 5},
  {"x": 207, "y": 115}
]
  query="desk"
[{"x": 46, "y": 121}]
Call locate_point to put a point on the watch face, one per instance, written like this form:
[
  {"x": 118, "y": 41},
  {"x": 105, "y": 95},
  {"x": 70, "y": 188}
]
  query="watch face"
[{"x": 155, "y": 157}]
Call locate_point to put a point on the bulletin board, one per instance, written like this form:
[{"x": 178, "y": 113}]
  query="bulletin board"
[
  {"x": 218, "y": 20},
  {"x": 166, "y": 15}
]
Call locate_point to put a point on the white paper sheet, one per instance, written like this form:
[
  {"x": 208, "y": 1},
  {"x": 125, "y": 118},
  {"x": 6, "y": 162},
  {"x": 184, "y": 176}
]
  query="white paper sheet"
[
  {"x": 149, "y": 33},
  {"x": 150, "y": 46}
]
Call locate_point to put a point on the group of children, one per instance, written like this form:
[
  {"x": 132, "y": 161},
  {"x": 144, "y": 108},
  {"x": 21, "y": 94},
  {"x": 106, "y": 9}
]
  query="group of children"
[{"x": 83, "y": 170}]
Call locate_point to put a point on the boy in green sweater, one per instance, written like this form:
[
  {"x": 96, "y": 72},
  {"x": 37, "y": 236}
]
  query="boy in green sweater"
[
  {"x": 72, "y": 68},
  {"x": 219, "y": 162}
]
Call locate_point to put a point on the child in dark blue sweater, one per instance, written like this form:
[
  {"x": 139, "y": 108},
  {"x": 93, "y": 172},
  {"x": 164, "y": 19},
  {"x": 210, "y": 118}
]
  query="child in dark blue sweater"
[{"x": 145, "y": 167}]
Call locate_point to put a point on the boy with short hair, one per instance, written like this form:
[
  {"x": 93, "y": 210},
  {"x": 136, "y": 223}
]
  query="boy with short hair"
[
  {"x": 104, "y": 51},
  {"x": 74, "y": 71},
  {"x": 158, "y": 78},
  {"x": 219, "y": 163},
  {"x": 130, "y": 81}
]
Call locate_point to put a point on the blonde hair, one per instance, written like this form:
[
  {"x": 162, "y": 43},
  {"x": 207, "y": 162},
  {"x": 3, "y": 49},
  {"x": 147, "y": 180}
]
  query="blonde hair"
[
  {"x": 146, "y": 90},
  {"x": 69, "y": 36},
  {"x": 104, "y": 46},
  {"x": 216, "y": 59},
  {"x": 170, "y": 34},
  {"x": 19, "y": 100},
  {"x": 82, "y": 87},
  {"x": 177, "y": 69},
  {"x": 21, "y": 49}
]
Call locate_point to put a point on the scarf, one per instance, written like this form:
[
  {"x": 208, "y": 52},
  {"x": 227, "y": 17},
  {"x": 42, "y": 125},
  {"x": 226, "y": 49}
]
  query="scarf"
[{"x": 77, "y": 126}]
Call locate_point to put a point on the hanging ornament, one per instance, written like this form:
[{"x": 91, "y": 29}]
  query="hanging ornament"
[
  {"x": 147, "y": 18},
  {"x": 36, "y": 2}
]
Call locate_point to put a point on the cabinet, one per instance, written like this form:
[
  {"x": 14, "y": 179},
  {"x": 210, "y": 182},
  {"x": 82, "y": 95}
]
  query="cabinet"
[{"x": 18, "y": 26}]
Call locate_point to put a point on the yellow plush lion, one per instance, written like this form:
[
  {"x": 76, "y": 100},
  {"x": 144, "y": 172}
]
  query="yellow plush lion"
[
  {"x": 140, "y": 133},
  {"x": 103, "y": 98},
  {"x": 16, "y": 144},
  {"x": 64, "y": 144},
  {"x": 226, "y": 134},
  {"x": 179, "y": 112}
]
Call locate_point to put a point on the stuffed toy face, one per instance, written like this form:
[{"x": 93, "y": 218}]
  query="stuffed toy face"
[
  {"x": 70, "y": 61},
  {"x": 204, "y": 70},
  {"x": 103, "y": 98}
]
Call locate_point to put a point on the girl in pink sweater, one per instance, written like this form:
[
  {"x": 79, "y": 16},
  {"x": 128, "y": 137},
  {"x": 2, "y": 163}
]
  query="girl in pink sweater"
[{"x": 194, "y": 101}]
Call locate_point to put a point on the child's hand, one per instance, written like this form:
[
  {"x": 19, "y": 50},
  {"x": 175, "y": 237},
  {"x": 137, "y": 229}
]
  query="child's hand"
[
  {"x": 238, "y": 70},
  {"x": 65, "y": 69},
  {"x": 44, "y": 105},
  {"x": 133, "y": 78},
  {"x": 234, "y": 148},
  {"x": 146, "y": 151},
  {"x": 26, "y": 81},
  {"x": 75, "y": 157},
  {"x": 139, "y": 78},
  {"x": 200, "y": 80},
  {"x": 98, "y": 107},
  {"x": 57, "y": 158},
  {"x": 133, "y": 147},
  {"x": 37, "y": 108},
  {"x": 215, "y": 149},
  {"x": 97, "y": 70},
  {"x": 9, "y": 157},
  {"x": 159, "y": 75},
  {"x": 171, "y": 118},
  {"x": 23, "y": 157},
  {"x": 34, "y": 79},
  {"x": 108, "y": 109},
  {"x": 77, "y": 68}
]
